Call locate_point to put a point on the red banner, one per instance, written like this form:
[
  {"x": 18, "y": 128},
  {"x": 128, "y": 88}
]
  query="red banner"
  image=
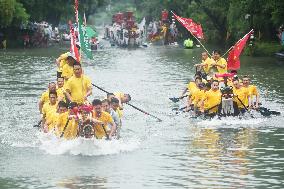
[
  {"x": 194, "y": 28},
  {"x": 234, "y": 54},
  {"x": 73, "y": 48},
  {"x": 76, "y": 5}
]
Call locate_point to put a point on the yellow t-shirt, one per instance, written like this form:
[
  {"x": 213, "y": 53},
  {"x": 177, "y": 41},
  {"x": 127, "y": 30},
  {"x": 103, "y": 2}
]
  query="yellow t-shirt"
[
  {"x": 48, "y": 110},
  {"x": 53, "y": 121},
  {"x": 212, "y": 98},
  {"x": 222, "y": 61},
  {"x": 119, "y": 96},
  {"x": 208, "y": 62},
  {"x": 243, "y": 94},
  {"x": 60, "y": 94},
  {"x": 199, "y": 95},
  {"x": 78, "y": 88},
  {"x": 71, "y": 129},
  {"x": 253, "y": 90},
  {"x": 67, "y": 71},
  {"x": 191, "y": 87},
  {"x": 45, "y": 97},
  {"x": 63, "y": 61},
  {"x": 119, "y": 112},
  {"x": 106, "y": 119}
]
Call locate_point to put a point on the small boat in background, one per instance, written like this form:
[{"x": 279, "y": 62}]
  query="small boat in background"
[{"x": 280, "y": 56}]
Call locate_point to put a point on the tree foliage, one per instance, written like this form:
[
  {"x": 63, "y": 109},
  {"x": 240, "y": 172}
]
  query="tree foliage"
[
  {"x": 12, "y": 13},
  {"x": 15, "y": 12},
  {"x": 224, "y": 19}
]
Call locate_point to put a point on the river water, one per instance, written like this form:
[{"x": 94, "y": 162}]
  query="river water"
[{"x": 179, "y": 152}]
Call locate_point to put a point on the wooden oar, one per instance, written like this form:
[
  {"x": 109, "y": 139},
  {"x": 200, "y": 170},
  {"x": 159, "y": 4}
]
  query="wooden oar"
[
  {"x": 242, "y": 104},
  {"x": 65, "y": 127},
  {"x": 135, "y": 107},
  {"x": 266, "y": 112},
  {"x": 176, "y": 99},
  {"x": 143, "y": 111},
  {"x": 38, "y": 124},
  {"x": 107, "y": 136}
]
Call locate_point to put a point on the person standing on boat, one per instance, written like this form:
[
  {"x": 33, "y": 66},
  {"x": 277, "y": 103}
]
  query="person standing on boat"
[
  {"x": 45, "y": 96},
  {"x": 61, "y": 61},
  {"x": 102, "y": 119},
  {"x": 253, "y": 92},
  {"x": 206, "y": 63},
  {"x": 79, "y": 86},
  {"x": 67, "y": 69},
  {"x": 220, "y": 64},
  {"x": 241, "y": 96},
  {"x": 48, "y": 110},
  {"x": 211, "y": 99}
]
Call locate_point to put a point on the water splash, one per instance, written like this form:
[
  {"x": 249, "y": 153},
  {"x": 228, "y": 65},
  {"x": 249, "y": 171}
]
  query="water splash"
[{"x": 87, "y": 147}]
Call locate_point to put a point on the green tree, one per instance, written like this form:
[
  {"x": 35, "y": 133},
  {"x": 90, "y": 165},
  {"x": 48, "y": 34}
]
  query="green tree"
[{"x": 12, "y": 13}]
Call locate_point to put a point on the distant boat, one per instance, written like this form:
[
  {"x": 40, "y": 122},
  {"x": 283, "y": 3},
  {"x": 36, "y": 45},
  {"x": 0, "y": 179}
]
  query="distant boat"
[{"x": 280, "y": 56}]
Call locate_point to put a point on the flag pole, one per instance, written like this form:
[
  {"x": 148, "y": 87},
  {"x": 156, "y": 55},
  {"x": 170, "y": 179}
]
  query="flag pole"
[
  {"x": 236, "y": 43},
  {"x": 193, "y": 36}
]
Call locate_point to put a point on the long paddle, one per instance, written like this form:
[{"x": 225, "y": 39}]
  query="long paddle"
[
  {"x": 176, "y": 99},
  {"x": 267, "y": 112},
  {"x": 242, "y": 104},
  {"x": 135, "y": 107},
  {"x": 107, "y": 136},
  {"x": 38, "y": 124},
  {"x": 65, "y": 127}
]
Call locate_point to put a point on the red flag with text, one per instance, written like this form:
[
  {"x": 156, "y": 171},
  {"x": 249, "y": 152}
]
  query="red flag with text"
[
  {"x": 194, "y": 28},
  {"x": 234, "y": 54},
  {"x": 73, "y": 48}
]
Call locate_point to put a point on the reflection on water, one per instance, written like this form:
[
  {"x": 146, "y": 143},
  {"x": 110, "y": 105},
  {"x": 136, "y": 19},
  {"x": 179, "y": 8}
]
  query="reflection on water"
[
  {"x": 82, "y": 182},
  {"x": 177, "y": 153}
]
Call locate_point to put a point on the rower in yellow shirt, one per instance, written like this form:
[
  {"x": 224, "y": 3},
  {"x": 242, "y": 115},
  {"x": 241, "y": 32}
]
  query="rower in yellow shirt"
[
  {"x": 102, "y": 119},
  {"x": 241, "y": 96},
  {"x": 220, "y": 63},
  {"x": 61, "y": 61},
  {"x": 67, "y": 69},
  {"x": 48, "y": 110},
  {"x": 45, "y": 96},
  {"x": 60, "y": 89},
  {"x": 206, "y": 63},
  {"x": 191, "y": 86},
  {"x": 67, "y": 123},
  {"x": 196, "y": 98},
  {"x": 211, "y": 99},
  {"x": 123, "y": 98},
  {"x": 79, "y": 86},
  {"x": 253, "y": 92}
]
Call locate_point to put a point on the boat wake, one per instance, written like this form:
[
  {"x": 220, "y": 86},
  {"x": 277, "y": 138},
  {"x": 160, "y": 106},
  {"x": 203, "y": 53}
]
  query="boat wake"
[
  {"x": 87, "y": 147},
  {"x": 231, "y": 121}
]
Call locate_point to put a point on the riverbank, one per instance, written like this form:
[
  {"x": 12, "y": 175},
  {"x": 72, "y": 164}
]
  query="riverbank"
[{"x": 263, "y": 49}]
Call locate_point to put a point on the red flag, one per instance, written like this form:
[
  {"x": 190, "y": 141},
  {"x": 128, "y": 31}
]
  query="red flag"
[
  {"x": 73, "y": 48},
  {"x": 234, "y": 55},
  {"x": 194, "y": 28},
  {"x": 76, "y": 5}
]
